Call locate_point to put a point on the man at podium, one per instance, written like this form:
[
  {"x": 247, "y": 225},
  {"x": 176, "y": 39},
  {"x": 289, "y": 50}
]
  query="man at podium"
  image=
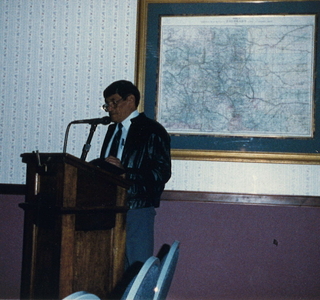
[{"x": 141, "y": 147}]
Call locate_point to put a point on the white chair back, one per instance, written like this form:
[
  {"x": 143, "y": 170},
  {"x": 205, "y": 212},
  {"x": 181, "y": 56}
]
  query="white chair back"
[
  {"x": 168, "y": 267},
  {"x": 143, "y": 285}
]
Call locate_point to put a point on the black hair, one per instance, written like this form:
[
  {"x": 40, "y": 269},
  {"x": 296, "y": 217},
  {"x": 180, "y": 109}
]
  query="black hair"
[{"x": 123, "y": 88}]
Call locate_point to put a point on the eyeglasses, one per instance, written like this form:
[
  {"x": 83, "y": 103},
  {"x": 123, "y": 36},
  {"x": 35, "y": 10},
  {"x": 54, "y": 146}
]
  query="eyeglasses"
[{"x": 114, "y": 103}]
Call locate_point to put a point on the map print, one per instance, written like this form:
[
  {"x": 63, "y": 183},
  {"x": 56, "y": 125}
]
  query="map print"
[{"x": 237, "y": 75}]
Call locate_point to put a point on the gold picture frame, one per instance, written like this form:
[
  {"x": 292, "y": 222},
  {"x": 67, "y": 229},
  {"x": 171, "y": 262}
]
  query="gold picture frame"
[{"x": 265, "y": 150}]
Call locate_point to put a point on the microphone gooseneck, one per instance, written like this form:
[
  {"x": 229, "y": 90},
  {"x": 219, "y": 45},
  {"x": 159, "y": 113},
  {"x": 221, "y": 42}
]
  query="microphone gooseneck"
[
  {"x": 103, "y": 121},
  {"x": 92, "y": 122}
]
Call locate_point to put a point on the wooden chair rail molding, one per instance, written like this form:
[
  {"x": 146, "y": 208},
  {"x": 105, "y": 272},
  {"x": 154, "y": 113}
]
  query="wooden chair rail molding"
[
  {"x": 12, "y": 189},
  {"x": 241, "y": 198},
  {"x": 19, "y": 189}
]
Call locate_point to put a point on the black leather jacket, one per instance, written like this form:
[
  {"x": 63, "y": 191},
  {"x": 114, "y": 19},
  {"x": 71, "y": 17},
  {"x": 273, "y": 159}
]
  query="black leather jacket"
[{"x": 146, "y": 159}]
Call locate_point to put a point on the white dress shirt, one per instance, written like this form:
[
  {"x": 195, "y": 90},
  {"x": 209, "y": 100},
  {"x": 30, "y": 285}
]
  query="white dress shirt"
[{"x": 126, "y": 125}]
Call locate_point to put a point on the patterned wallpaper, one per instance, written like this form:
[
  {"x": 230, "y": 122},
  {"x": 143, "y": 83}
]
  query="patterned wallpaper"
[{"x": 57, "y": 56}]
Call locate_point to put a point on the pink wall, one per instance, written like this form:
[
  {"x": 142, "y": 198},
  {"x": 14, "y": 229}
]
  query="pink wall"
[{"x": 227, "y": 251}]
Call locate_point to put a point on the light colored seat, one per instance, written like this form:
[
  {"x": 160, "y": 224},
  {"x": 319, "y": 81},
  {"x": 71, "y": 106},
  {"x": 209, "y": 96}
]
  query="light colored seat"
[
  {"x": 143, "y": 284},
  {"x": 74, "y": 295},
  {"x": 168, "y": 266},
  {"x": 81, "y": 295},
  {"x": 88, "y": 296}
]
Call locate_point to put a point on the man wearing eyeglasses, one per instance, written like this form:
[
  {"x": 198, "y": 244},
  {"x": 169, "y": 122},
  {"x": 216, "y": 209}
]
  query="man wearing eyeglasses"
[{"x": 141, "y": 147}]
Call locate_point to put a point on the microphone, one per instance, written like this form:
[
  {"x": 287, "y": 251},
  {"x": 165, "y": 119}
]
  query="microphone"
[
  {"x": 104, "y": 121},
  {"x": 93, "y": 122}
]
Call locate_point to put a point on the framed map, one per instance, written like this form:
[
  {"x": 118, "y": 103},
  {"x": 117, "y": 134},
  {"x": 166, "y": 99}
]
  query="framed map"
[
  {"x": 232, "y": 80},
  {"x": 237, "y": 75}
]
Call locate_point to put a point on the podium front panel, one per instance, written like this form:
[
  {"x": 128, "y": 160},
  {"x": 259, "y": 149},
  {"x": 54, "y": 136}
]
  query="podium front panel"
[{"x": 74, "y": 231}]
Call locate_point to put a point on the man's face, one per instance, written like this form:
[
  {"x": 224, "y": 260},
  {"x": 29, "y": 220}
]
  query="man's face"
[{"x": 119, "y": 109}]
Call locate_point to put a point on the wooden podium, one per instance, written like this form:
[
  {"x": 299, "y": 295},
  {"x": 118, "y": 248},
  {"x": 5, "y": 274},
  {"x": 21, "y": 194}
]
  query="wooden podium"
[{"x": 74, "y": 227}]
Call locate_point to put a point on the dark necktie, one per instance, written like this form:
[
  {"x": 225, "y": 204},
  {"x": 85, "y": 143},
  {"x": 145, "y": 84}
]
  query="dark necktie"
[{"x": 116, "y": 141}]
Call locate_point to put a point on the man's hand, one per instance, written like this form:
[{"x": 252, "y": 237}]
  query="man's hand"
[{"x": 114, "y": 161}]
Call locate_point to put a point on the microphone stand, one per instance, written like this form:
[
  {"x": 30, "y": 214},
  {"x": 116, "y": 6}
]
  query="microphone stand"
[
  {"x": 66, "y": 138},
  {"x": 87, "y": 145},
  {"x": 94, "y": 123}
]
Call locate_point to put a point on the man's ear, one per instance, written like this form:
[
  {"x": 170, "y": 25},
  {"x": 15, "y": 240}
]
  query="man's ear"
[{"x": 132, "y": 99}]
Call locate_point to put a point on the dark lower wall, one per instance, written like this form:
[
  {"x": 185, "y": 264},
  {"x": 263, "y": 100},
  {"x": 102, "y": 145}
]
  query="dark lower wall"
[
  {"x": 242, "y": 251},
  {"x": 228, "y": 251},
  {"x": 11, "y": 232}
]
